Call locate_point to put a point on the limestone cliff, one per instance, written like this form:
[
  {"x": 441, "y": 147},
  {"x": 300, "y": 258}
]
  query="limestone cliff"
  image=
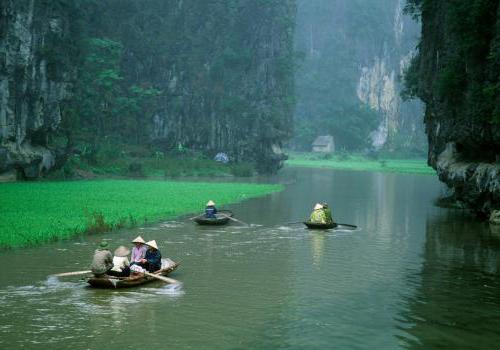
[
  {"x": 221, "y": 73},
  {"x": 380, "y": 85},
  {"x": 32, "y": 85},
  {"x": 355, "y": 53},
  {"x": 456, "y": 73}
]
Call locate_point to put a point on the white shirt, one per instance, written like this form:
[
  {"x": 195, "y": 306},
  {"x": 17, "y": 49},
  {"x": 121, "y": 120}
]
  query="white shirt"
[{"x": 119, "y": 262}]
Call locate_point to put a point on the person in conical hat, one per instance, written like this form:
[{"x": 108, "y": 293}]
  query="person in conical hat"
[
  {"x": 122, "y": 251},
  {"x": 152, "y": 244},
  {"x": 139, "y": 250},
  {"x": 139, "y": 239},
  {"x": 318, "y": 215},
  {"x": 152, "y": 260},
  {"x": 211, "y": 210},
  {"x": 120, "y": 263}
]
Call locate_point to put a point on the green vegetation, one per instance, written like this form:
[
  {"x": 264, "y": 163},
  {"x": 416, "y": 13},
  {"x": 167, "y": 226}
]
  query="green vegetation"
[
  {"x": 43, "y": 211},
  {"x": 345, "y": 161},
  {"x": 458, "y": 61},
  {"x": 114, "y": 159},
  {"x": 170, "y": 74}
]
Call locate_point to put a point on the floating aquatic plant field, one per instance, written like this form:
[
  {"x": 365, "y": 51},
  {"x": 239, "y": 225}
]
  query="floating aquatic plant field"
[
  {"x": 357, "y": 162},
  {"x": 32, "y": 213}
]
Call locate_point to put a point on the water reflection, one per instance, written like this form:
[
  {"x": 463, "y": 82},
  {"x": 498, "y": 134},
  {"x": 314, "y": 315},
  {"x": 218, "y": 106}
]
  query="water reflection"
[
  {"x": 457, "y": 300},
  {"x": 318, "y": 246},
  {"x": 410, "y": 275}
]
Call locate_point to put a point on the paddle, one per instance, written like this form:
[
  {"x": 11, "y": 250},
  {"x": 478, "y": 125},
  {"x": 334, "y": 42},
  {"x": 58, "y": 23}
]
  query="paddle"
[
  {"x": 353, "y": 226},
  {"x": 301, "y": 222},
  {"x": 162, "y": 278},
  {"x": 230, "y": 218},
  {"x": 72, "y": 273}
]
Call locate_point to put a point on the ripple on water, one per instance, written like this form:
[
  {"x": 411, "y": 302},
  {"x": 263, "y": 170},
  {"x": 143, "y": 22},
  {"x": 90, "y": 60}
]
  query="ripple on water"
[{"x": 172, "y": 224}]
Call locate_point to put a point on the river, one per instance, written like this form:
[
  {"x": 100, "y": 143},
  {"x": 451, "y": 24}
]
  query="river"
[{"x": 411, "y": 276}]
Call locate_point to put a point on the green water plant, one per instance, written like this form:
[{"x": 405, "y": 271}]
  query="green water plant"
[{"x": 33, "y": 213}]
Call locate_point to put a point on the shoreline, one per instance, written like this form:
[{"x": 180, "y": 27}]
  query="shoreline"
[{"x": 359, "y": 163}]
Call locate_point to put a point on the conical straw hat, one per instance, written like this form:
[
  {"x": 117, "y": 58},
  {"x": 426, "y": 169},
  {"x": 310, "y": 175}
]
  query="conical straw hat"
[
  {"x": 318, "y": 206},
  {"x": 152, "y": 244},
  {"x": 122, "y": 251},
  {"x": 139, "y": 239},
  {"x": 210, "y": 202}
]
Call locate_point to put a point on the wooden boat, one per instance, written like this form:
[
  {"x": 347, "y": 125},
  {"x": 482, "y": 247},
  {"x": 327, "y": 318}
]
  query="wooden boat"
[
  {"x": 221, "y": 218},
  {"x": 315, "y": 226},
  {"x": 132, "y": 281}
]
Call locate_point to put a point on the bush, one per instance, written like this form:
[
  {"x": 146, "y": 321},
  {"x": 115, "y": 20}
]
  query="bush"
[
  {"x": 372, "y": 154},
  {"x": 343, "y": 155},
  {"x": 136, "y": 169},
  {"x": 173, "y": 172},
  {"x": 96, "y": 223},
  {"x": 242, "y": 170}
]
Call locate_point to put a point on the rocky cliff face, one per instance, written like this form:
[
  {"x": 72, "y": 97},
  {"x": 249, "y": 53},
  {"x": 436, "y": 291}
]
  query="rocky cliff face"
[
  {"x": 380, "y": 85},
  {"x": 456, "y": 73},
  {"x": 223, "y": 71},
  {"x": 355, "y": 53},
  {"x": 31, "y": 85}
]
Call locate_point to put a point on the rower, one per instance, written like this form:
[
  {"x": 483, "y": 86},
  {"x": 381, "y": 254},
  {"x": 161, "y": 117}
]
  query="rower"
[
  {"x": 210, "y": 210},
  {"x": 318, "y": 215},
  {"x": 102, "y": 261}
]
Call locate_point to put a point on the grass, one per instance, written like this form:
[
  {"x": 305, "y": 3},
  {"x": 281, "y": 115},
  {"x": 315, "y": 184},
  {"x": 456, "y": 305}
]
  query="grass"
[
  {"x": 33, "y": 213},
  {"x": 358, "y": 162}
]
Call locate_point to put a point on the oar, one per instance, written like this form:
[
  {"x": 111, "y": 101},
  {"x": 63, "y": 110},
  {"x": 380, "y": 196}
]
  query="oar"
[
  {"x": 72, "y": 273},
  {"x": 353, "y": 226},
  {"x": 301, "y": 222},
  {"x": 194, "y": 217},
  {"x": 162, "y": 278},
  {"x": 230, "y": 218}
]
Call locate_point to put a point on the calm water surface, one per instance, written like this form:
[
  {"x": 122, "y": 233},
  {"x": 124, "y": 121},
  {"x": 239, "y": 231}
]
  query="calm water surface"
[{"x": 412, "y": 276}]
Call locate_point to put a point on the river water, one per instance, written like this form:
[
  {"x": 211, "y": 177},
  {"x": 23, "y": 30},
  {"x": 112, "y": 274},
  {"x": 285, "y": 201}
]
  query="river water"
[{"x": 412, "y": 276}]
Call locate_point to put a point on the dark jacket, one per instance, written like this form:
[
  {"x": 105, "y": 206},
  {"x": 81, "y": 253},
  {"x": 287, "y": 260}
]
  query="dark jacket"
[
  {"x": 153, "y": 256},
  {"x": 210, "y": 212}
]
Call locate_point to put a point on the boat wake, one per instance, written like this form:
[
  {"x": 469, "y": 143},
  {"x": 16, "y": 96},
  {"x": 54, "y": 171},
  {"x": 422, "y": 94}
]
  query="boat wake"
[{"x": 172, "y": 290}]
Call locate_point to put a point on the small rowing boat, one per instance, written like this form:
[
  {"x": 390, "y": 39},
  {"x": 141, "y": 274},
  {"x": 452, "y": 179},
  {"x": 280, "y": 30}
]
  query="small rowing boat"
[
  {"x": 317, "y": 226},
  {"x": 126, "y": 282},
  {"x": 222, "y": 218}
]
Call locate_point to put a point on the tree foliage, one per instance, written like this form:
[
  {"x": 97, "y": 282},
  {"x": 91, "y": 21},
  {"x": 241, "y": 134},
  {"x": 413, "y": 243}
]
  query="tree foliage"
[{"x": 457, "y": 64}]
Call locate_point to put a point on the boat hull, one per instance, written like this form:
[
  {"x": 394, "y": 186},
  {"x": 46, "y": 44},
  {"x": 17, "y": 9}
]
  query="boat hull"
[
  {"x": 111, "y": 282},
  {"x": 315, "y": 226},
  {"x": 222, "y": 218}
]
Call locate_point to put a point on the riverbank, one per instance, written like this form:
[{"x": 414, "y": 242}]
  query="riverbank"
[
  {"x": 359, "y": 163},
  {"x": 142, "y": 162},
  {"x": 33, "y": 213}
]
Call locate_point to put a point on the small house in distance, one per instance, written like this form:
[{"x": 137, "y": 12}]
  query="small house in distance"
[{"x": 324, "y": 144}]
